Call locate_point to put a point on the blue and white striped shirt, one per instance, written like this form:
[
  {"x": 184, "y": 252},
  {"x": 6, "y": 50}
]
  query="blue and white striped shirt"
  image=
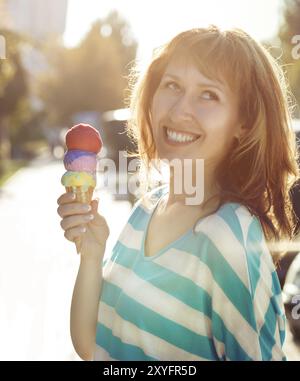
[{"x": 213, "y": 294}]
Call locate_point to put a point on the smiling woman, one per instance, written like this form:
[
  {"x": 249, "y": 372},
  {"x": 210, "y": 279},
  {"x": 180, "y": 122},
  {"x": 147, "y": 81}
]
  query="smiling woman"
[
  {"x": 197, "y": 282},
  {"x": 220, "y": 97},
  {"x": 225, "y": 89}
]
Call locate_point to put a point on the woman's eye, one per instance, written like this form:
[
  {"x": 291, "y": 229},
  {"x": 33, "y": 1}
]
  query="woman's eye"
[
  {"x": 172, "y": 85},
  {"x": 211, "y": 95}
]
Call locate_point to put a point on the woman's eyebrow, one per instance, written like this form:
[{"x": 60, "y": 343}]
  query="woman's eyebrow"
[{"x": 207, "y": 83}]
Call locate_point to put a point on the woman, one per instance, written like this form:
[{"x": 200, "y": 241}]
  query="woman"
[{"x": 194, "y": 280}]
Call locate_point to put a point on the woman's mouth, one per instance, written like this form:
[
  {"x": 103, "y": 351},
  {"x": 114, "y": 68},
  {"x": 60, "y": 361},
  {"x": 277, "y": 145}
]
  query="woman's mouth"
[{"x": 174, "y": 137}]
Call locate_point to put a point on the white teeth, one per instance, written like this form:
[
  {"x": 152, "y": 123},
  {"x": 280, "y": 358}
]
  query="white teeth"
[{"x": 179, "y": 137}]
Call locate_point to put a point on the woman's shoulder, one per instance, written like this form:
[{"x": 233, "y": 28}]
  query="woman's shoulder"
[
  {"x": 145, "y": 204},
  {"x": 234, "y": 240},
  {"x": 149, "y": 199},
  {"x": 232, "y": 220}
]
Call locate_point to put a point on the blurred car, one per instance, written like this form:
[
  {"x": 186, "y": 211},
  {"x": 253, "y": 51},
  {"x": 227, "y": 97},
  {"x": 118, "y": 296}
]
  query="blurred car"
[
  {"x": 118, "y": 144},
  {"x": 291, "y": 297},
  {"x": 114, "y": 131},
  {"x": 286, "y": 261}
]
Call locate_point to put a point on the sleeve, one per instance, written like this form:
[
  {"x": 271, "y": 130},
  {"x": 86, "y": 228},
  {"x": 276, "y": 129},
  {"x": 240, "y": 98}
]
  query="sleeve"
[{"x": 247, "y": 314}]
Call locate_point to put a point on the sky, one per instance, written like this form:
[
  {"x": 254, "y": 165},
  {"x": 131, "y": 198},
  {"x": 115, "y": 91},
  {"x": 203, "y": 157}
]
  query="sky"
[{"x": 155, "y": 22}]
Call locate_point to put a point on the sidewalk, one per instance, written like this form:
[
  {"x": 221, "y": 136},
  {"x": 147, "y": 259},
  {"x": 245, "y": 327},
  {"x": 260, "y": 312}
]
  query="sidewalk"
[{"x": 38, "y": 266}]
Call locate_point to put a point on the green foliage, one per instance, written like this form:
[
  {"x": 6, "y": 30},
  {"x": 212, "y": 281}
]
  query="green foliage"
[
  {"x": 13, "y": 86},
  {"x": 91, "y": 76},
  {"x": 14, "y": 105}
]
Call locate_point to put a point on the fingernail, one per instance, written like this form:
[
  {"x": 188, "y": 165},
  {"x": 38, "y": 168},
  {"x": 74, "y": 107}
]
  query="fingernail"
[
  {"x": 89, "y": 217},
  {"x": 87, "y": 207},
  {"x": 83, "y": 230},
  {"x": 73, "y": 196}
]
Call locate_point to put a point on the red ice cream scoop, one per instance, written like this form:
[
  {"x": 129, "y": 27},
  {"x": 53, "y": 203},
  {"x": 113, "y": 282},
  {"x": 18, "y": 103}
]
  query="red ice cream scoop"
[{"x": 84, "y": 137}]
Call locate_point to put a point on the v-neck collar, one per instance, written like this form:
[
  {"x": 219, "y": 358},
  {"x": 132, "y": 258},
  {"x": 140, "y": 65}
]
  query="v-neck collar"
[{"x": 168, "y": 246}]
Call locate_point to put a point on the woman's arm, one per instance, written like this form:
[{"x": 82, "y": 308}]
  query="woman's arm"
[
  {"x": 84, "y": 307},
  {"x": 87, "y": 288}
]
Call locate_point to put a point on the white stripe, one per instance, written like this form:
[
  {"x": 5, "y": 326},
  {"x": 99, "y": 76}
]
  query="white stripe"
[
  {"x": 277, "y": 352},
  {"x": 147, "y": 210},
  {"x": 267, "y": 255},
  {"x": 129, "y": 333},
  {"x": 131, "y": 238},
  {"x": 158, "y": 301},
  {"x": 282, "y": 321},
  {"x": 220, "y": 347},
  {"x": 189, "y": 266},
  {"x": 221, "y": 235},
  {"x": 101, "y": 354},
  {"x": 245, "y": 219}
]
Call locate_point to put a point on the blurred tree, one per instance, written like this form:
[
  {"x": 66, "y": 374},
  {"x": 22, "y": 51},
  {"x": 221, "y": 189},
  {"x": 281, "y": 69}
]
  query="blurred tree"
[
  {"x": 91, "y": 76},
  {"x": 290, "y": 28},
  {"x": 13, "y": 89}
]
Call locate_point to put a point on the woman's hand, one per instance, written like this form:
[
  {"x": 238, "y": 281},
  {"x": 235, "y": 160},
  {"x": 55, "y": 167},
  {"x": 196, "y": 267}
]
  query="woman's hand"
[{"x": 87, "y": 227}]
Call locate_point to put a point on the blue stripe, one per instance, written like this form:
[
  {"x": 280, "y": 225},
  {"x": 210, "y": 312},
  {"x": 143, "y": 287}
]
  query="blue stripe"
[
  {"x": 139, "y": 220},
  {"x": 267, "y": 333},
  {"x": 172, "y": 283},
  {"x": 254, "y": 262},
  {"x": 282, "y": 336},
  {"x": 233, "y": 350},
  {"x": 276, "y": 288},
  {"x": 164, "y": 328},
  {"x": 254, "y": 254},
  {"x": 255, "y": 233},
  {"x": 117, "y": 349},
  {"x": 121, "y": 251},
  {"x": 227, "y": 279},
  {"x": 110, "y": 293},
  {"x": 231, "y": 219}
]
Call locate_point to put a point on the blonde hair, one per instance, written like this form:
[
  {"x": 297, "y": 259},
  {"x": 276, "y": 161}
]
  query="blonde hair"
[{"x": 260, "y": 170}]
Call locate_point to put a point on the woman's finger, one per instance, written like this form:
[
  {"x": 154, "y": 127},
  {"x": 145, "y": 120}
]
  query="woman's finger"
[
  {"x": 77, "y": 232},
  {"x": 70, "y": 209},
  {"x": 75, "y": 220},
  {"x": 66, "y": 198}
]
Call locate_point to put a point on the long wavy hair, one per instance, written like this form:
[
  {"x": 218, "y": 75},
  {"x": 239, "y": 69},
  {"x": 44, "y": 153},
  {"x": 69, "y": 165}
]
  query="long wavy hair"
[{"x": 261, "y": 167}]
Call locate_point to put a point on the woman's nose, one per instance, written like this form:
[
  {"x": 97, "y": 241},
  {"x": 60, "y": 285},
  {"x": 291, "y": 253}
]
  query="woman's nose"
[{"x": 182, "y": 109}]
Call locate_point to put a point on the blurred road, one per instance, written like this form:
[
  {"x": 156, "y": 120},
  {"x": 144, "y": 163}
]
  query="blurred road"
[
  {"x": 38, "y": 267},
  {"x": 291, "y": 348}
]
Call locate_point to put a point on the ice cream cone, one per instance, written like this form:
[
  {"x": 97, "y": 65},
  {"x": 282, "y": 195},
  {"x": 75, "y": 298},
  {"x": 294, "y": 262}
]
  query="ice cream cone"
[
  {"x": 84, "y": 197},
  {"x": 83, "y": 143}
]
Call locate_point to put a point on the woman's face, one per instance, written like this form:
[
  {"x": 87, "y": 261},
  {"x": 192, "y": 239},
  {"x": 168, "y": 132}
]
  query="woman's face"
[{"x": 192, "y": 116}]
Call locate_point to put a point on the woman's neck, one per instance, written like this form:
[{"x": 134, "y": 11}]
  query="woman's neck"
[{"x": 178, "y": 196}]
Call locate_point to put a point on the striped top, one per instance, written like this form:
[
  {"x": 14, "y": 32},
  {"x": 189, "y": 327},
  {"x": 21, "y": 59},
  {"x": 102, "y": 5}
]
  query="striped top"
[{"x": 212, "y": 294}]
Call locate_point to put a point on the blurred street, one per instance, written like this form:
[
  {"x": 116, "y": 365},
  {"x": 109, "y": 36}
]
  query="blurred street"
[
  {"x": 38, "y": 267},
  {"x": 292, "y": 348}
]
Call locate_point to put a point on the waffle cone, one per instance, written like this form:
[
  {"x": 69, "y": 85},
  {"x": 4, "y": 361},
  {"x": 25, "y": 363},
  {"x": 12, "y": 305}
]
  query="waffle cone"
[{"x": 82, "y": 196}]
